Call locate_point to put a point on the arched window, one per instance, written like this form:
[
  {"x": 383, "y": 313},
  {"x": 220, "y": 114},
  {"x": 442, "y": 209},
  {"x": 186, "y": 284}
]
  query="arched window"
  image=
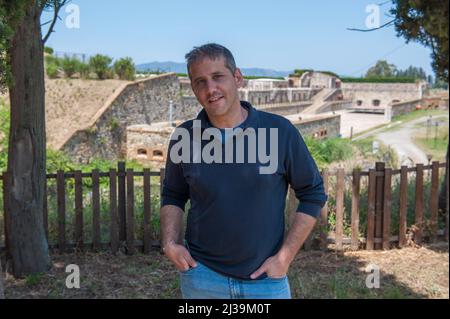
[
  {"x": 142, "y": 153},
  {"x": 376, "y": 102},
  {"x": 359, "y": 103},
  {"x": 158, "y": 155}
]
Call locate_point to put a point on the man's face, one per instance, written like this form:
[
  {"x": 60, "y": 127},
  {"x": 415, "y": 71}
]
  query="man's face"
[{"x": 215, "y": 87}]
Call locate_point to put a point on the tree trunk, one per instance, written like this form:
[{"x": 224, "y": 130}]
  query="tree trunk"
[
  {"x": 26, "y": 241},
  {"x": 2, "y": 290}
]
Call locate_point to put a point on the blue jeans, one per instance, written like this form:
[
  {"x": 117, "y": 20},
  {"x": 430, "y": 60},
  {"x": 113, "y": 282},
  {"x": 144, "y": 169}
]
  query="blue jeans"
[{"x": 203, "y": 283}]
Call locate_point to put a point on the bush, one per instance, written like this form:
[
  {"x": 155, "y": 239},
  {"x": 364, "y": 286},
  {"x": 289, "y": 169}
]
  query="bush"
[
  {"x": 50, "y": 59},
  {"x": 329, "y": 150},
  {"x": 100, "y": 64},
  {"x": 70, "y": 66},
  {"x": 125, "y": 69},
  {"x": 52, "y": 71},
  {"x": 84, "y": 70},
  {"x": 48, "y": 50}
]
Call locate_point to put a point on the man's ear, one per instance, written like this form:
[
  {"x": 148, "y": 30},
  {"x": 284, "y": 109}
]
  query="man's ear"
[{"x": 239, "y": 77}]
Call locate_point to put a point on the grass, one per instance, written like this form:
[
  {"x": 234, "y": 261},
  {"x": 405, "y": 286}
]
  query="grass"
[
  {"x": 401, "y": 119},
  {"x": 404, "y": 273},
  {"x": 434, "y": 143}
]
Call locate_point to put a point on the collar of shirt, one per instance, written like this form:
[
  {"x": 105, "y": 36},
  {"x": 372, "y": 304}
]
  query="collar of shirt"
[{"x": 251, "y": 121}]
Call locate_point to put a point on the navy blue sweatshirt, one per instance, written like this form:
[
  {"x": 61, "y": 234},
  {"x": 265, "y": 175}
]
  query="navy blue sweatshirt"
[{"x": 236, "y": 220}]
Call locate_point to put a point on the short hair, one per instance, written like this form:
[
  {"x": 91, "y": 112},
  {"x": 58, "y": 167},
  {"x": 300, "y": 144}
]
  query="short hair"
[{"x": 213, "y": 51}]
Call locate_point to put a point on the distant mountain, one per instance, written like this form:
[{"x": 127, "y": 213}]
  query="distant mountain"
[{"x": 181, "y": 68}]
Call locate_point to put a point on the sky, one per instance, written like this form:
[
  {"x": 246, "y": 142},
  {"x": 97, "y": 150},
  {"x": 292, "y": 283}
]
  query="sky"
[{"x": 282, "y": 35}]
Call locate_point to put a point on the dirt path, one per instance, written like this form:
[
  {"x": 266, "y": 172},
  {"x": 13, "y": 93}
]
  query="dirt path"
[{"x": 401, "y": 140}]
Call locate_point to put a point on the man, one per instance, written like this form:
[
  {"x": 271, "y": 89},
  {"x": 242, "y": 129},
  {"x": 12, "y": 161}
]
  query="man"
[{"x": 234, "y": 245}]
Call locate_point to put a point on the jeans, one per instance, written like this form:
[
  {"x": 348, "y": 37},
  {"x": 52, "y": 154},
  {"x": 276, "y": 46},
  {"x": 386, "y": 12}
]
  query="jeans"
[{"x": 203, "y": 283}]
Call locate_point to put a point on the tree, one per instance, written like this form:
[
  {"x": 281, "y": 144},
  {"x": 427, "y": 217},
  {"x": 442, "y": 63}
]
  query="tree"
[
  {"x": 413, "y": 72},
  {"x": 125, "y": 69},
  {"x": 22, "y": 61},
  {"x": 100, "y": 64},
  {"x": 2, "y": 290},
  {"x": 423, "y": 21},
  {"x": 426, "y": 22},
  {"x": 382, "y": 69}
]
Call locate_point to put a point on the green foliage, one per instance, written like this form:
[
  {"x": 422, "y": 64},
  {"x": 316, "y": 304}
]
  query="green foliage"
[
  {"x": 100, "y": 64},
  {"x": 329, "y": 150},
  {"x": 426, "y": 22},
  {"x": 125, "y": 69},
  {"x": 4, "y": 134},
  {"x": 49, "y": 50},
  {"x": 34, "y": 279},
  {"x": 52, "y": 71},
  {"x": 113, "y": 124},
  {"x": 70, "y": 65},
  {"x": 382, "y": 69},
  {"x": 300, "y": 72},
  {"x": 412, "y": 72},
  {"x": 10, "y": 15}
]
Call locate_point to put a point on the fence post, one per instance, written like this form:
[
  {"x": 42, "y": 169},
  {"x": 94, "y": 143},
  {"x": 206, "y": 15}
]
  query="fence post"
[
  {"x": 419, "y": 204},
  {"x": 130, "y": 211},
  {"x": 95, "y": 210},
  {"x": 356, "y": 185},
  {"x": 371, "y": 210},
  {"x": 6, "y": 212},
  {"x": 340, "y": 208},
  {"x": 78, "y": 211},
  {"x": 324, "y": 214},
  {"x": 122, "y": 212},
  {"x": 147, "y": 212},
  {"x": 114, "y": 231},
  {"x": 61, "y": 202},
  {"x": 45, "y": 213},
  {"x": 387, "y": 208},
  {"x": 446, "y": 201},
  {"x": 434, "y": 200},
  {"x": 403, "y": 206},
  {"x": 379, "y": 199}
]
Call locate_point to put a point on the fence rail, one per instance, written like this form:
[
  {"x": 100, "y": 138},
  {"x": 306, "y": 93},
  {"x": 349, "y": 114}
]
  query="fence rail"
[{"x": 359, "y": 213}]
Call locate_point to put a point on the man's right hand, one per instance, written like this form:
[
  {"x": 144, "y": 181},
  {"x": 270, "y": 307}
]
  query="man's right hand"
[{"x": 179, "y": 256}]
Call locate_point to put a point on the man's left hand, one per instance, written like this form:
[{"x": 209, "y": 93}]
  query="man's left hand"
[{"x": 274, "y": 267}]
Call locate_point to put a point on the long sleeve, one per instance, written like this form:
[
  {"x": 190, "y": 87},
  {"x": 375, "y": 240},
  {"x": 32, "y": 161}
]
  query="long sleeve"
[
  {"x": 175, "y": 188},
  {"x": 304, "y": 176}
]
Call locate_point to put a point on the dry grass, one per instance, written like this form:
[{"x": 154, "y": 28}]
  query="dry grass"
[
  {"x": 407, "y": 273},
  {"x": 70, "y": 104}
]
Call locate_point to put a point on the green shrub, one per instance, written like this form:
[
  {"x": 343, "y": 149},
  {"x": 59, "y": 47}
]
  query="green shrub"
[
  {"x": 52, "y": 71},
  {"x": 70, "y": 66},
  {"x": 100, "y": 64},
  {"x": 125, "y": 69},
  {"x": 329, "y": 150},
  {"x": 48, "y": 50}
]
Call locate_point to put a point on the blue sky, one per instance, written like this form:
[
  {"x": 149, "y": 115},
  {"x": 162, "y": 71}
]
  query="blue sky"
[{"x": 280, "y": 35}]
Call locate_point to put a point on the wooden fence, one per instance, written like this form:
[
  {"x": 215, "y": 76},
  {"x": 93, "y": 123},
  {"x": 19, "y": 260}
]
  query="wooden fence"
[{"x": 339, "y": 223}]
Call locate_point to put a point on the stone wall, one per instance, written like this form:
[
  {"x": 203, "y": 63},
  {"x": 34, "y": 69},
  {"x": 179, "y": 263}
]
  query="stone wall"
[
  {"x": 405, "y": 107},
  {"x": 289, "y": 95},
  {"x": 141, "y": 102},
  {"x": 287, "y": 109},
  {"x": 320, "y": 126},
  {"x": 369, "y": 95}
]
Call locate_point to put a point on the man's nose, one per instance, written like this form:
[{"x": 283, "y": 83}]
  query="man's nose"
[{"x": 211, "y": 86}]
